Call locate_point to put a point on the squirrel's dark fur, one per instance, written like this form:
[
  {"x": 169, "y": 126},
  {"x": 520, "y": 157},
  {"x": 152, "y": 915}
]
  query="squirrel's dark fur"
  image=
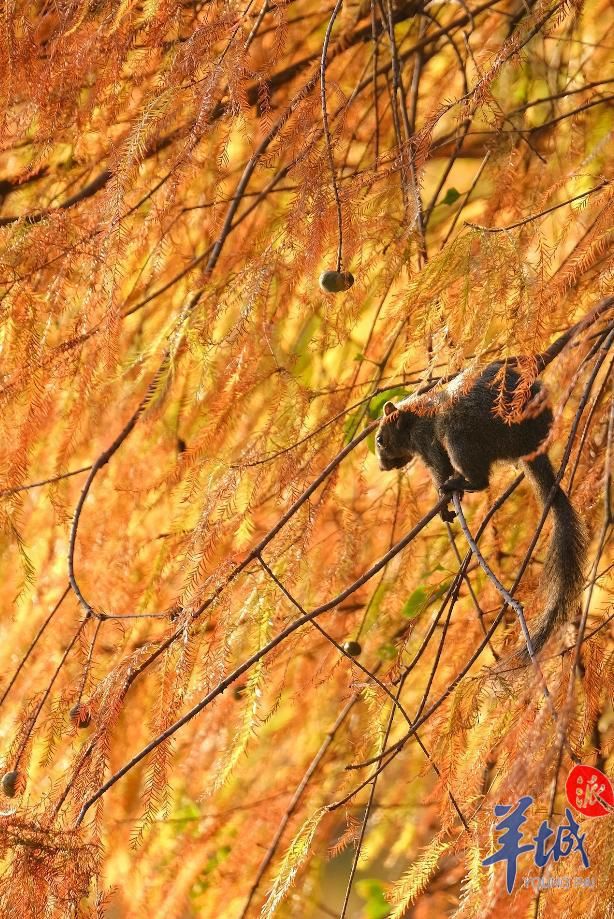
[{"x": 460, "y": 429}]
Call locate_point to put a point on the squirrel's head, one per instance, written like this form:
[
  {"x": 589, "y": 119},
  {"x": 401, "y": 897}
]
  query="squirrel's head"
[{"x": 392, "y": 441}]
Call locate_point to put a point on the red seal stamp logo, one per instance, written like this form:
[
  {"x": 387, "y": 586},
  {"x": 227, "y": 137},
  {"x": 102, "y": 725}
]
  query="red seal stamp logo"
[{"x": 590, "y": 791}]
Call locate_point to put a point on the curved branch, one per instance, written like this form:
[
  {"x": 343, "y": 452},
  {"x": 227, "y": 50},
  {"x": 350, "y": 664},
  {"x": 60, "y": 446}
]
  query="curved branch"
[{"x": 258, "y": 655}]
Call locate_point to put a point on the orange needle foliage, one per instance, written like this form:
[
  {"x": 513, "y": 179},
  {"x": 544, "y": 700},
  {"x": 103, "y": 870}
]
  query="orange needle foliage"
[{"x": 179, "y": 704}]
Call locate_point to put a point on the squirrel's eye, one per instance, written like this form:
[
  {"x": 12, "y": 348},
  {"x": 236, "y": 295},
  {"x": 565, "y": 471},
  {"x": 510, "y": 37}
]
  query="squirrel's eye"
[{"x": 379, "y": 440}]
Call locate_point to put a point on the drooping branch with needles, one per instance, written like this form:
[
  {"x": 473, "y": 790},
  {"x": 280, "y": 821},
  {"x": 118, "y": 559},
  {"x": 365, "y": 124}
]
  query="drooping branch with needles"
[{"x": 208, "y": 583}]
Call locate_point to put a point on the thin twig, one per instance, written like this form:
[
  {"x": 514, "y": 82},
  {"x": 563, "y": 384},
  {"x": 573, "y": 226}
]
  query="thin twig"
[
  {"x": 356, "y": 663},
  {"x": 548, "y": 210},
  {"x": 574, "y": 669},
  {"x": 528, "y": 555},
  {"x": 328, "y": 140},
  {"x": 39, "y": 707},
  {"x": 55, "y": 478},
  {"x": 474, "y": 599},
  {"x": 492, "y": 577},
  {"x": 296, "y": 798},
  {"x": 260, "y": 653},
  {"x": 33, "y": 644},
  {"x": 467, "y": 195}
]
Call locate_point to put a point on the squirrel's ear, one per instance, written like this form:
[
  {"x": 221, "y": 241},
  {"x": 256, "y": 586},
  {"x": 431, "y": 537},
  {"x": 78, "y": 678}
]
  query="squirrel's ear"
[{"x": 389, "y": 408}]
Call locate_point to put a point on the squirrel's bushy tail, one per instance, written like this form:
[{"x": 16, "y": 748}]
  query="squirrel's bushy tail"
[{"x": 563, "y": 574}]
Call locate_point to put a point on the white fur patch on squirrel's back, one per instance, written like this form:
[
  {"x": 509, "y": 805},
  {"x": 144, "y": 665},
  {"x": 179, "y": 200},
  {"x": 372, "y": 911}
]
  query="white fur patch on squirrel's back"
[{"x": 456, "y": 385}]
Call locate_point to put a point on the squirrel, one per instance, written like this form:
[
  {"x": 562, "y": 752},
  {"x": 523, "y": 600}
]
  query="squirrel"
[{"x": 461, "y": 428}]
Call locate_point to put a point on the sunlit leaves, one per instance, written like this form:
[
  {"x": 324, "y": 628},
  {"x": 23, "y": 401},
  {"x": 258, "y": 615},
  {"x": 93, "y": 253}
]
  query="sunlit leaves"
[
  {"x": 415, "y": 879},
  {"x": 291, "y": 863},
  {"x": 166, "y": 211}
]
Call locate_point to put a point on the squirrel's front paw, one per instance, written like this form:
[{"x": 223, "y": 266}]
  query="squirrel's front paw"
[
  {"x": 455, "y": 483},
  {"x": 447, "y": 514}
]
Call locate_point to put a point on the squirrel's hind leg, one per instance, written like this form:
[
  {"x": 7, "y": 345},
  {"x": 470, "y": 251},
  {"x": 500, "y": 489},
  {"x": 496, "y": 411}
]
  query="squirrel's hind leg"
[{"x": 471, "y": 467}]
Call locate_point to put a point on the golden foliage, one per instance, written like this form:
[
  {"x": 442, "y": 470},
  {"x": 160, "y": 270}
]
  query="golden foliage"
[{"x": 184, "y": 554}]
